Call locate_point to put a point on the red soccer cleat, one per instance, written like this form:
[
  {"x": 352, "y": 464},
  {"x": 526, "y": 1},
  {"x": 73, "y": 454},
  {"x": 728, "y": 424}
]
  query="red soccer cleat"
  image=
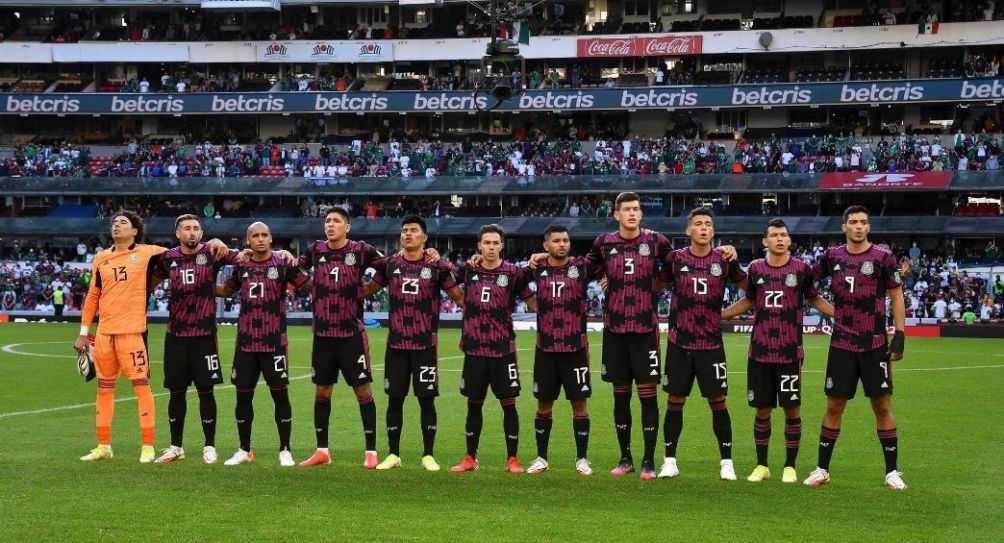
[
  {"x": 469, "y": 463},
  {"x": 370, "y": 460},
  {"x": 316, "y": 459},
  {"x": 512, "y": 465}
]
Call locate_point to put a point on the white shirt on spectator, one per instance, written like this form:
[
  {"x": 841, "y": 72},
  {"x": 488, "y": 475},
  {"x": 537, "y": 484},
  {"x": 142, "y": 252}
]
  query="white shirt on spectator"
[
  {"x": 180, "y": 87},
  {"x": 144, "y": 86},
  {"x": 940, "y": 308}
]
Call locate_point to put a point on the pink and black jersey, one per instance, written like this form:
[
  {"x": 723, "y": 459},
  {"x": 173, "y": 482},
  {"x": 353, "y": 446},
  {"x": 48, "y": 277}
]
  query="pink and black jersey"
[
  {"x": 779, "y": 294},
  {"x": 632, "y": 268},
  {"x": 192, "y": 303},
  {"x": 415, "y": 292},
  {"x": 338, "y": 285},
  {"x": 562, "y": 305},
  {"x": 859, "y": 283},
  {"x": 490, "y": 298},
  {"x": 261, "y": 327},
  {"x": 698, "y": 283}
]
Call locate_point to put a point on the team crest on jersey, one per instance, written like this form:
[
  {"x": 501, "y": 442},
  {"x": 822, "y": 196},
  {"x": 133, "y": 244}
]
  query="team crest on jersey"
[
  {"x": 644, "y": 249},
  {"x": 273, "y": 273},
  {"x": 426, "y": 273},
  {"x": 867, "y": 267},
  {"x": 573, "y": 272},
  {"x": 350, "y": 259},
  {"x": 201, "y": 259},
  {"x": 716, "y": 269},
  {"x": 502, "y": 281},
  {"x": 790, "y": 280},
  {"x": 133, "y": 259}
]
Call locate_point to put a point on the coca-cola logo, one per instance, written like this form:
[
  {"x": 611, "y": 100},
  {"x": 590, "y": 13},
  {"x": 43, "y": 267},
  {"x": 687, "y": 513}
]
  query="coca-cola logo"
[
  {"x": 609, "y": 48},
  {"x": 666, "y": 47}
]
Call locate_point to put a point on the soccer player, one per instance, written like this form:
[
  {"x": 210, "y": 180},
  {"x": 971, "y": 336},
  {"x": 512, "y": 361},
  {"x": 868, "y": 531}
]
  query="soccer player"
[
  {"x": 191, "y": 353},
  {"x": 562, "y": 353},
  {"x": 862, "y": 275},
  {"x": 779, "y": 285},
  {"x": 261, "y": 348},
  {"x": 414, "y": 287},
  {"x": 340, "y": 343},
  {"x": 697, "y": 276},
  {"x": 488, "y": 342},
  {"x": 118, "y": 291}
]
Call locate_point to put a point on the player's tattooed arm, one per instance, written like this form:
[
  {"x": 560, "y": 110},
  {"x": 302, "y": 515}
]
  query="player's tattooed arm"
[
  {"x": 744, "y": 305},
  {"x": 531, "y": 304},
  {"x": 898, "y": 306},
  {"x": 457, "y": 295},
  {"x": 821, "y": 305},
  {"x": 371, "y": 288},
  {"x": 218, "y": 248},
  {"x": 536, "y": 259},
  {"x": 224, "y": 291}
]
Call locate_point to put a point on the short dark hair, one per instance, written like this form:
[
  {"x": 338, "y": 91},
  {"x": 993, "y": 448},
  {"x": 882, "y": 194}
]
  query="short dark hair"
[
  {"x": 855, "y": 209},
  {"x": 554, "y": 229},
  {"x": 625, "y": 197},
  {"x": 413, "y": 219},
  {"x": 774, "y": 223},
  {"x": 134, "y": 219},
  {"x": 491, "y": 229},
  {"x": 698, "y": 211},
  {"x": 341, "y": 211},
  {"x": 183, "y": 218}
]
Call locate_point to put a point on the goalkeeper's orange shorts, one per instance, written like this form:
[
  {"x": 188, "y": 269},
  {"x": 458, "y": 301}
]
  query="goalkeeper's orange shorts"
[{"x": 121, "y": 354}]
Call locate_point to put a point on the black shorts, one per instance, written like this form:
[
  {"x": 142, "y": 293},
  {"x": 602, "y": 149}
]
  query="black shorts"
[
  {"x": 844, "y": 368},
  {"x": 350, "y": 355},
  {"x": 630, "y": 358},
  {"x": 248, "y": 366},
  {"x": 682, "y": 366},
  {"x": 552, "y": 371},
  {"x": 502, "y": 374},
  {"x": 771, "y": 384},
  {"x": 404, "y": 367},
  {"x": 190, "y": 360}
]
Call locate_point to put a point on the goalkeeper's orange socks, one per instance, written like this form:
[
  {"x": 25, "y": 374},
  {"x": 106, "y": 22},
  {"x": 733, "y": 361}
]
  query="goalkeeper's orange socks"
[
  {"x": 105, "y": 409},
  {"x": 147, "y": 420}
]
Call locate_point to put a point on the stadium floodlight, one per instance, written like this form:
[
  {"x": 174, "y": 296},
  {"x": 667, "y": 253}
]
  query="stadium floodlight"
[{"x": 242, "y": 4}]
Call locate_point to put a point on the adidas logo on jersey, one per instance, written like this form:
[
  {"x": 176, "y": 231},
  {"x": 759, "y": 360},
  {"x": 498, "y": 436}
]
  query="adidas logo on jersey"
[
  {"x": 174, "y": 264},
  {"x": 246, "y": 275},
  {"x": 684, "y": 269},
  {"x": 543, "y": 273},
  {"x": 397, "y": 271},
  {"x": 836, "y": 268},
  {"x": 760, "y": 281},
  {"x": 613, "y": 251},
  {"x": 322, "y": 260},
  {"x": 475, "y": 278}
]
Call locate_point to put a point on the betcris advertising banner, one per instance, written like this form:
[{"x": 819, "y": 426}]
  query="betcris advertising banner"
[
  {"x": 885, "y": 181},
  {"x": 326, "y": 51},
  {"x": 766, "y": 96}
]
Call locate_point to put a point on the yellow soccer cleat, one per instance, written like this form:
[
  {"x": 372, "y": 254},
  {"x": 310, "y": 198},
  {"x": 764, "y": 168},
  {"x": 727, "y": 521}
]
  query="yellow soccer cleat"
[
  {"x": 147, "y": 454},
  {"x": 789, "y": 475},
  {"x": 392, "y": 461},
  {"x": 101, "y": 452},
  {"x": 429, "y": 463},
  {"x": 760, "y": 474}
]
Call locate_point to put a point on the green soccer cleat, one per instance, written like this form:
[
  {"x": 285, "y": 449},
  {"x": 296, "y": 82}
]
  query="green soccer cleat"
[
  {"x": 147, "y": 454},
  {"x": 392, "y": 461},
  {"x": 429, "y": 463},
  {"x": 760, "y": 474},
  {"x": 789, "y": 475}
]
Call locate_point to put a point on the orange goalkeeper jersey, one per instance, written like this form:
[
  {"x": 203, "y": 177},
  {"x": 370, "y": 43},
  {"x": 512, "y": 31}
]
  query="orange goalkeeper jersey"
[{"x": 119, "y": 289}]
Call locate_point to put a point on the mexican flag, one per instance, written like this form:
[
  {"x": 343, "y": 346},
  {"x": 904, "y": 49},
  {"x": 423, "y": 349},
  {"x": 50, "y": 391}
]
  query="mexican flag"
[
  {"x": 927, "y": 28},
  {"x": 522, "y": 31}
]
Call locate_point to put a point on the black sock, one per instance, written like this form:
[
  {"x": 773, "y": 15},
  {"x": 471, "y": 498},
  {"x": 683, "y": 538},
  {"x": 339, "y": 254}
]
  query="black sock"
[
  {"x": 722, "y": 425},
  {"x": 890, "y": 448},
  {"x": 542, "y": 424},
  {"x": 510, "y": 425},
  {"x": 622, "y": 419},
  {"x": 395, "y": 419},
  {"x": 429, "y": 423},
  {"x": 792, "y": 438},
  {"x": 367, "y": 411},
  {"x": 649, "y": 421},
  {"x": 827, "y": 442},
  {"x": 580, "y": 426},
  {"x": 244, "y": 413},
  {"x": 673, "y": 427},
  {"x": 322, "y": 413},
  {"x": 207, "y": 410},
  {"x": 177, "y": 408},
  {"x": 761, "y": 437},
  {"x": 475, "y": 421},
  {"x": 283, "y": 416}
]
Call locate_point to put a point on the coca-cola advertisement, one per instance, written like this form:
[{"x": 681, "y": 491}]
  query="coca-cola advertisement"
[{"x": 650, "y": 46}]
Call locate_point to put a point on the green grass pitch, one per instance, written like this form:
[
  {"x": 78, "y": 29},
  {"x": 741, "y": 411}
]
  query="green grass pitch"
[{"x": 948, "y": 404}]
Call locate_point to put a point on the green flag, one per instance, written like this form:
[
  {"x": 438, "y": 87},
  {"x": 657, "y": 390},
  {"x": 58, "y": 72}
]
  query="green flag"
[{"x": 522, "y": 32}]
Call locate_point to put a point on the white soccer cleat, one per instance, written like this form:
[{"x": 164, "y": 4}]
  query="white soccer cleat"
[
  {"x": 819, "y": 477},
  {"x": 170, "y": 454},
  {"x": 539, "y": 465},
  {"x": 101, "y": 452},
  {"x": 583, "y": 467},
  {"x": 286, "y": 459},
  {"x": 240, "y": 457},
  {"x": 727, "y": 470},
  {"x": 209, "y": 455},
  {"x": 669, "y": 469},
  {"x": 894, "y": 480}
]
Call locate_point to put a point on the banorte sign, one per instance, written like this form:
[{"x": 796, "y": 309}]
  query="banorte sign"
[{"x": 651, "y": 46}]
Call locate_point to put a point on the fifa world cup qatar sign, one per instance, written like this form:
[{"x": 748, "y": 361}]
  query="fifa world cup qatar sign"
[{"x": 654, "y": 46}]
